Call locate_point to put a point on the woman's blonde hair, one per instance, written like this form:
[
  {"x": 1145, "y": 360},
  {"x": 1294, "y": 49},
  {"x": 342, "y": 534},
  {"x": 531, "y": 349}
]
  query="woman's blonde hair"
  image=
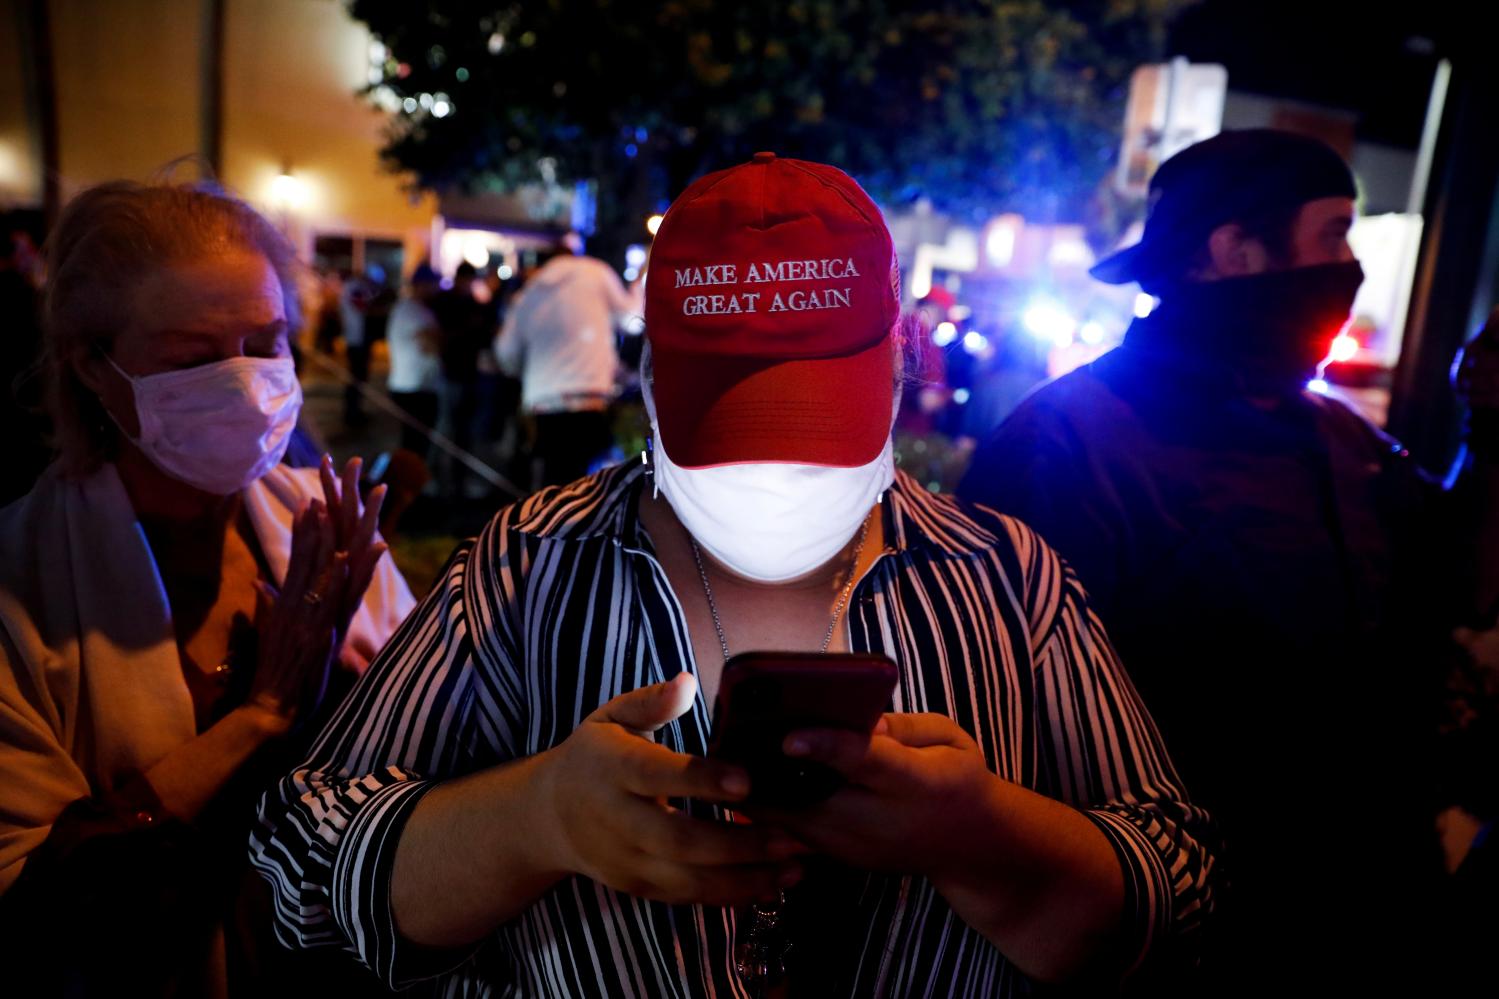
[{"x": 108, "y": 240}]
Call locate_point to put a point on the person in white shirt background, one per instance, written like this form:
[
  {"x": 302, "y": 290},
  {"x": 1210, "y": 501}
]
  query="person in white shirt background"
[
  {"x": 558, "y": 339},
  {"x": 414, "y": 340}
]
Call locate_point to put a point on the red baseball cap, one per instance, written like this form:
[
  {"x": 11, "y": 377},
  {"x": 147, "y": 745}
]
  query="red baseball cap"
[{"x": 769, "y": 304}]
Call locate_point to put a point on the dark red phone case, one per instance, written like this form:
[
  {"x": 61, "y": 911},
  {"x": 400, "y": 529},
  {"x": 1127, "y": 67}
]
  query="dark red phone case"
[{"x": 764, "y": 696}]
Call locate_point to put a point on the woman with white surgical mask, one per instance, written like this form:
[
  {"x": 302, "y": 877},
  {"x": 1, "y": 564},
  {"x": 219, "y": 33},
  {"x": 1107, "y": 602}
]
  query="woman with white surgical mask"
[
  {"x": 767, "y": 521},
  {"x": 176, "y": 607},
  {"x": 532, "y": 776}
]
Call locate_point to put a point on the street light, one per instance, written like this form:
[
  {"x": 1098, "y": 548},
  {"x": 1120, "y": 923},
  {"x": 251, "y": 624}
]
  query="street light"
[
  {"x": 288, "y": 192},
  {"x": 653, "y": 223}
]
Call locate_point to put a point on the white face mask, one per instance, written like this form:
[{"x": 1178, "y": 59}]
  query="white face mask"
[
  {"x": 218, "y": 427},
  {"x": 770, "y": 521}
]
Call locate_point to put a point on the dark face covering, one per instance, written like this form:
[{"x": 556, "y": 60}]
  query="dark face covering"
[{"x": 1272, "y": 329}]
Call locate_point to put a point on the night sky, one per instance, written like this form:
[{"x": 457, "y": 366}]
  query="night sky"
[{"x": 1370, "y": 57}]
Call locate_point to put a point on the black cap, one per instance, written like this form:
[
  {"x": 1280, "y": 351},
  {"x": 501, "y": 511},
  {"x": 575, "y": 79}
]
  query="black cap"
[{"x": 1233, "y": 176}]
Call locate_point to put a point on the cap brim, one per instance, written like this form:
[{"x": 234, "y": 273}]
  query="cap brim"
[
  {"x": 1124, "y": 267},
  {"x": 717, "y": 410}
]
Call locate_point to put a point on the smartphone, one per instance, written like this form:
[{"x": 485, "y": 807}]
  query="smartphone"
[{"x": 765, "y": 696}]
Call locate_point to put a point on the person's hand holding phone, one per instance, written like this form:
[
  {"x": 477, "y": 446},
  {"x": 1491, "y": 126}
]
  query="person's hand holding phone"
[
  {"x": 912, "y": 785},
  {"x": 607, "y": 786}
]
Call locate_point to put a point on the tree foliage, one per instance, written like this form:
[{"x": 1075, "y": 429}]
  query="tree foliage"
[{"x": 980, "y": 105}]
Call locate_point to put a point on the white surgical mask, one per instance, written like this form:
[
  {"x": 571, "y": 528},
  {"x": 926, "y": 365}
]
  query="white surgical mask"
[
  {"x": 218, "y": 427},
  {"x": 771, "y": 521}
]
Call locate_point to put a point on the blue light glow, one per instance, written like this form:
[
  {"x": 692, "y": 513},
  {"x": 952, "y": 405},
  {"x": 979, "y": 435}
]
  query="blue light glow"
[{"x": 1048, "y": 321}]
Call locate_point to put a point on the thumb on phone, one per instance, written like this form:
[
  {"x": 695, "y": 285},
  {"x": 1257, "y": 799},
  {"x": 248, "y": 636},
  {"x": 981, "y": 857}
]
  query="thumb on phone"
[{"x": 649, "y": 708}]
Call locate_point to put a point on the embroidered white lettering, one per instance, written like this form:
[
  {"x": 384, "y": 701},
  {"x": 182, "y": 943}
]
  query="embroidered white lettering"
[
  {"x": 808, "y": 301},
  {"x": 720, "y": 305},
  {"x": 691, "y": 277}
]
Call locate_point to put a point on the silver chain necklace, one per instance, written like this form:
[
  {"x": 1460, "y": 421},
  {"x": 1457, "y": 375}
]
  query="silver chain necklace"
[
  {"x": 761, "y": 957},
  {"x": 848, "y": 585}
]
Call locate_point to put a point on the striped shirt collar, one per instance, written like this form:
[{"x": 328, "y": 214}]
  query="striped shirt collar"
[{"x": 607, "y": 506}]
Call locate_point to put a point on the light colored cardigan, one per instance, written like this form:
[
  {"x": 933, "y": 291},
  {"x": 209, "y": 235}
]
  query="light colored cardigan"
[{"x": 91, "y": 683}]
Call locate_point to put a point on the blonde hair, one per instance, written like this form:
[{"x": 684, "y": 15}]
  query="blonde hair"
[{"x": 108, "y": 240}]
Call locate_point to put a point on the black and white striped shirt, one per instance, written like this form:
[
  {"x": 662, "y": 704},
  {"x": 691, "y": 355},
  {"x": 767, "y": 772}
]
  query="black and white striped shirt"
[{"x": 560, "y": 605}]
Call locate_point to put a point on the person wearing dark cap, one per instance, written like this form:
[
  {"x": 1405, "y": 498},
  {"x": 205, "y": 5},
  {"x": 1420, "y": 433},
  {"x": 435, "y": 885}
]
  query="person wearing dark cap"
[
  {"x": 1252, "y": 548},
  {"x": 493, "y": 805}
]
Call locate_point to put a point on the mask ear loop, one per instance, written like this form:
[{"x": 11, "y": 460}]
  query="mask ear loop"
[
  {"x": 647, "y": 397},
  {"x": 650, "y": 467},
  {"x": 100, "y": 351},
  {"x": 130, "y": 380}
]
